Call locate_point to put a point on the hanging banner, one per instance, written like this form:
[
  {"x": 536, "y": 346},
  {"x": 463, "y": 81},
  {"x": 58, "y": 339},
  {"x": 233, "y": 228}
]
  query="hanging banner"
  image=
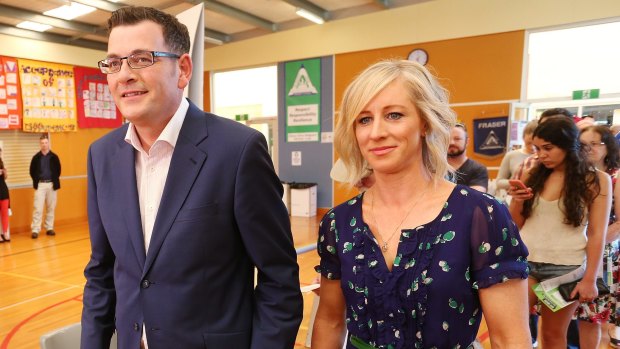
[
  {"x": 10, "y": 95},
  {"x": 95, "y": 106},
  {"x": 490, "y": 135},
  {"x": 303, "y": 100},
  {"x": 48, "y": 95}
]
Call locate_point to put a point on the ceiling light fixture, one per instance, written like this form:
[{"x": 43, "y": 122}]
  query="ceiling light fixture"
[
  {"x": 33, "y": 26},
  {"x": 214, "y": 40},
  {"x": 313, "y": 17},
  {"x": 70, "y": 12}
]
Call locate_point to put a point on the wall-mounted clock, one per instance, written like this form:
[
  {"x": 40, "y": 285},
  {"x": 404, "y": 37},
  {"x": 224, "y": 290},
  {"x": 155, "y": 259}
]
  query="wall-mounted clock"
[{"x": 418, "y": 55}]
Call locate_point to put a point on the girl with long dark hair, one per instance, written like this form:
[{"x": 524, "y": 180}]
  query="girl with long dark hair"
[{"x": 563, "y": 216}]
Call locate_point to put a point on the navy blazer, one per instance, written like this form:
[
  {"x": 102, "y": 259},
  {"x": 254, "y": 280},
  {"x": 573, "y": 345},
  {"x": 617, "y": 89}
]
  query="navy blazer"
[{"x": 221, "y": 215}]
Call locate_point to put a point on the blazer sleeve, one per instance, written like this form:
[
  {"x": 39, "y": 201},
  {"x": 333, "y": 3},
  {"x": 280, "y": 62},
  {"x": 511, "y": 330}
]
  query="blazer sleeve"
[
  {"x": 58, "y": 168},
  {"x": 34, "y": 172},
  {"x": 55, "y": 167},
  {"x": 264, "y": 225},
  {"x": 99, "y": 293}
]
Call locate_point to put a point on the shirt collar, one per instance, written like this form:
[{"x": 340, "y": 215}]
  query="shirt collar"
[{"x": 170, "y": 133}]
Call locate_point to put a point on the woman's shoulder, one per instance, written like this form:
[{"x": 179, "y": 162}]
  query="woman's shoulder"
[
  {"x": 602, "y": 176},
  {"x": 467, "y": 201},
  {"x": 353, "y": 204},
  {"x": 516, "y": 153},
  {"x": 470, "y": 196},
  {"x": 604, "y": 179}
]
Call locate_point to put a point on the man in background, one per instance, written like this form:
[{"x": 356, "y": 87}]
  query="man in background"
[
  {"x": 183, "y": 207},
  {"x": 45, "y": 174},
  {"x": 468, "y": 172}
]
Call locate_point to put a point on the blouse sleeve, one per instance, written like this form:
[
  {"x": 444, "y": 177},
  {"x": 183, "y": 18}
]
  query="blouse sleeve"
[
  {"x": 498, "y": 253},
  {"x": 504, "y": 172},
  {"x": 327, "y": 247}
]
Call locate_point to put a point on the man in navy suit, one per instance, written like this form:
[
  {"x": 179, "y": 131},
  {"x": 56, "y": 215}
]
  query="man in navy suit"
[{"x": 182, "y": 207}]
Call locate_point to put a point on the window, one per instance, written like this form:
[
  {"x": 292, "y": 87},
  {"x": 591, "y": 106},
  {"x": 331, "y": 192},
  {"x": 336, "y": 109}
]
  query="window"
[
  {"x": 18, "y": 148},
  {"x": 602, "y": 110},
  {"x": 603, "y": 114},
  {"x": 249, "y": 91},
  {"x": 566, "y": 60}
]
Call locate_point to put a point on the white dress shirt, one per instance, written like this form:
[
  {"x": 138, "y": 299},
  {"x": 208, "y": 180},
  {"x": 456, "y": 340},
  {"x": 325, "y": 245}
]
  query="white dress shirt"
[
  {"x": 152, "y": 168},
  {"x": 152, "y": 171}
]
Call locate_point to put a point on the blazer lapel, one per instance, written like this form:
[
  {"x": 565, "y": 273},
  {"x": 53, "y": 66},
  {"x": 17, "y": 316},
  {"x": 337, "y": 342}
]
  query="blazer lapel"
[
  {"x": 129, "y": 202},
  {"x": 187, "y": 160}
]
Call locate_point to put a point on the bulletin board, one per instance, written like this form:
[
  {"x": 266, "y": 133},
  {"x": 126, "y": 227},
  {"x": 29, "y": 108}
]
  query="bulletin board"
[
  {"x": 95, "y": 106},
  {"x": 48, "y": 95},
  {"x": 10, "y": 95}
]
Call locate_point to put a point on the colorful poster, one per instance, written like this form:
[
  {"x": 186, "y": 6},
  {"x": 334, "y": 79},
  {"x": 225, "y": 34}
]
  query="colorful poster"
[
  {"x": 490, "y": 135},
  {"x": 303, "y": 100},
  {"x": 48, "y": 96},
  {"x": 95, "y": 106},
  {"x": 10, "y": 95}
]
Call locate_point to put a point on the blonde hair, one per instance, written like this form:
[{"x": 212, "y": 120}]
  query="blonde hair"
[
  {"x": 429, "y": 97},
  {"x": 530, "y": 127}
]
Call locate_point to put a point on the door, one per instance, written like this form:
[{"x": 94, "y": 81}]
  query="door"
[{"x": 268, "y": 126}]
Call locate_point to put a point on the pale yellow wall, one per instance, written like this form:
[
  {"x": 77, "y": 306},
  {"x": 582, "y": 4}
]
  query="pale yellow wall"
[
  {"x": 49, "y": 52},
  {"x": 430, "y": 21}
]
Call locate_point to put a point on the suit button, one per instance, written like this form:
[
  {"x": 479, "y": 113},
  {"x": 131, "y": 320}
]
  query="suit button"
[
  {"x": 145, "y": 283},
  {"x": 136, "y": 327}
]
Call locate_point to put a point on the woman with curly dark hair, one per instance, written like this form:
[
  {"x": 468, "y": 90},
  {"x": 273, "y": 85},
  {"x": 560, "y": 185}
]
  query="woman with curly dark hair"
[
  {"x": 563, "y": 216},
  {"x": 603, "y": 153}
]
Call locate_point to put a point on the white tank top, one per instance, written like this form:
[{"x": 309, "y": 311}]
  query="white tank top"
[{"x": 549, "y": 240}]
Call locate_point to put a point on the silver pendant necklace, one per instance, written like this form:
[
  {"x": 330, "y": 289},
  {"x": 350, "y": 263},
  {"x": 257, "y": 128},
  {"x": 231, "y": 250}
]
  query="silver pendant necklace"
[{"x": 384, "y": 246}]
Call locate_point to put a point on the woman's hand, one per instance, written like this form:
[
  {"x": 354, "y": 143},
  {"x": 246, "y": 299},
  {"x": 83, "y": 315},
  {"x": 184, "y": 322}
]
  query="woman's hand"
[
  {"x": 586, "y": 290},
  {"x": 520, "y": 194}
]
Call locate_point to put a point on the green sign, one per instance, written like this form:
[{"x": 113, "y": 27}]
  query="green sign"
[
  {"x": 303, "y": 100},
  {"x": 586, "y": 94}
]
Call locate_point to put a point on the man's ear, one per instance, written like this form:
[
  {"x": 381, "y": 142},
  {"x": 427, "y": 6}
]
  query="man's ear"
[{"x": 185, "y": 67}]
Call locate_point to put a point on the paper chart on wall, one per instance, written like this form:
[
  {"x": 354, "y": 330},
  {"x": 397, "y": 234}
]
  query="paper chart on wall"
[
  {"x": 48, "y": 91},
  {"x": 95, "y": 105},
  {"x": 10, "y": 98}
]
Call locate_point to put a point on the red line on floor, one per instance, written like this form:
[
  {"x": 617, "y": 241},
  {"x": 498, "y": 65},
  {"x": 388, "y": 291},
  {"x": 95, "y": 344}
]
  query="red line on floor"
[{"x": 14, "y": 330}]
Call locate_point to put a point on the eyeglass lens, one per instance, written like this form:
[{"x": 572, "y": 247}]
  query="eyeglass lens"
[
  {"x": 136, "y": 60},
  {"x": 591, "y": 145}
]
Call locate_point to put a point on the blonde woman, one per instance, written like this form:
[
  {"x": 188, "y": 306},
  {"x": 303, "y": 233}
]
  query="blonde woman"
[
  {"x": 415, "y": 260},
  {"x": 513, "y": 159}
]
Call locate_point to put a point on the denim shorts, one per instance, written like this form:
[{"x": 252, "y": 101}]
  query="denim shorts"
[{"x": 544, "y": 271}]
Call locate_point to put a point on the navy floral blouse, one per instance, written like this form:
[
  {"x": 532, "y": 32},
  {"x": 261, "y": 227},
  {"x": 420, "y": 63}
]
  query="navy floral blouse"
[{"x": 430, "y": 298}]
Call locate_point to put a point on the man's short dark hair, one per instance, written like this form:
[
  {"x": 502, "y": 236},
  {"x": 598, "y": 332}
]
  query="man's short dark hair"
[
  {"x": 555, "y": 112},
  {"x": 176, "y": 35},
  {"x": 43, "y": 136},
  {"x": 462, "y": 127}
]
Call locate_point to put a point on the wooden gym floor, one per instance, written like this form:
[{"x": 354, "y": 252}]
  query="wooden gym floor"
[{"x": 41, "y": 282}]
